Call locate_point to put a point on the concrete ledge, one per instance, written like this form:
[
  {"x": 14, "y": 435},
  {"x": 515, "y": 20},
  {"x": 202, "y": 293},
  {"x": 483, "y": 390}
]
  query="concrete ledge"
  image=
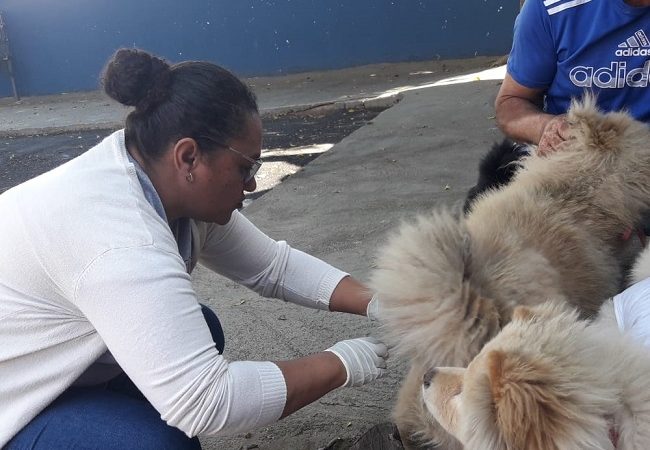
[
  {"x": 319, "y": 108},
  {"x": 373, "y": 86}
]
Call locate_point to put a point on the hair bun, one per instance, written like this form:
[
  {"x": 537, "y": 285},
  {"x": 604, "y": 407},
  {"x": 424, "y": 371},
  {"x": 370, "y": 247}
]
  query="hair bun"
[{"x": 136, "y": 78}]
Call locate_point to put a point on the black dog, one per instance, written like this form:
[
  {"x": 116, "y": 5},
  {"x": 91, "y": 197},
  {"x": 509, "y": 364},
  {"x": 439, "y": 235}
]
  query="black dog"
[{"x": 496, "y": 168}]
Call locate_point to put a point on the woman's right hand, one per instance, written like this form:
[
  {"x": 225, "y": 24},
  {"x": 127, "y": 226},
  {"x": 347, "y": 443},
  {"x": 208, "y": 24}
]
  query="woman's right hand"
[{"x": 364, "y": 359}]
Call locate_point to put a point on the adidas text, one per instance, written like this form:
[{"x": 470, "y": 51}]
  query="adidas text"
[
  {"x": 615, "y": 76},
  {"x": 633, "y": 52}
]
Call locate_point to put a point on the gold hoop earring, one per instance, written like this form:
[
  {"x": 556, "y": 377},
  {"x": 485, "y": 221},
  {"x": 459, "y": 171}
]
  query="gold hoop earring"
[{"x": 189, "y": 177}]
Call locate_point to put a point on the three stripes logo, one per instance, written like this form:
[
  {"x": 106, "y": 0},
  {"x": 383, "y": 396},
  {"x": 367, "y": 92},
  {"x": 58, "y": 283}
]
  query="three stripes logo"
[
  {"x": 556, "y": 6},
  {"x": 636, "y": 45}
]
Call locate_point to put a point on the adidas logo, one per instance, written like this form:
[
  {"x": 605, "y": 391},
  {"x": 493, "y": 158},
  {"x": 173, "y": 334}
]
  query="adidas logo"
[{"x": 636, "y": 45}]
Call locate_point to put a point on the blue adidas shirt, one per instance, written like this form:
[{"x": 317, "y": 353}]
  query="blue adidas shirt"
[{"x": 567, "y": 46}]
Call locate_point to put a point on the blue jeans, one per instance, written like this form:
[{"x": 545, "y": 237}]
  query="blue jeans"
[{"x": 114, "y": 415}]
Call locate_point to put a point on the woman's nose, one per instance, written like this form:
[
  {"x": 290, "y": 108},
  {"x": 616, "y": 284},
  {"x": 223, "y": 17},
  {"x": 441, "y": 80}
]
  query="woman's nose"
[
  {"x": 251, "y": 185},
  {"x": 428, "y": 376}
]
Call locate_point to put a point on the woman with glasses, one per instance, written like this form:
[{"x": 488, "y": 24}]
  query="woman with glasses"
[{"x": 104, "y": 343}]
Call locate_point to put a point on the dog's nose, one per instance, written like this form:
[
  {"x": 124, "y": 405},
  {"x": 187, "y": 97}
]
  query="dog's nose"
[{"x": 428, "y": 376}]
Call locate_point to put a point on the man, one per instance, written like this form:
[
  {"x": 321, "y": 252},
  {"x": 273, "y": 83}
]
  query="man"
[{"x": 562, "y": 48}]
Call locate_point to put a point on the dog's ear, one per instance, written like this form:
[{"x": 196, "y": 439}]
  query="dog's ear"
[
  {"x": 529, "y": 412},
  {"x": 522, "y": 313},
  {"x": 544, "y": 311}
]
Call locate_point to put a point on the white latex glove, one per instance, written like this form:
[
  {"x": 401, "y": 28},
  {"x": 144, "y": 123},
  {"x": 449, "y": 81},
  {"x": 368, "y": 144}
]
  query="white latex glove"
[
  {"x": 372, "y": 310},
  {"x": 363, "y": 358}
]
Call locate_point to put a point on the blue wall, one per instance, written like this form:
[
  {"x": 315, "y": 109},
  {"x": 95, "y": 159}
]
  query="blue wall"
[{"x": 62, "y": 45}]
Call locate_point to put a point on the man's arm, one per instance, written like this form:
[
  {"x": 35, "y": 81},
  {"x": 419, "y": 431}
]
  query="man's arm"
[{"x": 519, "y": 115}]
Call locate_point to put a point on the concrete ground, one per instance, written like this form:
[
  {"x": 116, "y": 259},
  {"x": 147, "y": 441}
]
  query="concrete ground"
[{"x": 420, "y": 153}]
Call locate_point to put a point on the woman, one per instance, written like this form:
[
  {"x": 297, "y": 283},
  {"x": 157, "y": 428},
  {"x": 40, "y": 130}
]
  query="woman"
[{"x": 103, "y": 340}]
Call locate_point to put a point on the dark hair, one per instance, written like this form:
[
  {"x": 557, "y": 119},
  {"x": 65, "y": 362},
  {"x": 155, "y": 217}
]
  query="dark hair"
[{"x": 188, "y": 99}]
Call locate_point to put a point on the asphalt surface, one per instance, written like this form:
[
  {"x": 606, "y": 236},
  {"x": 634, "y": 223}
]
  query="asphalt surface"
[{"x": 24, "y": 157}]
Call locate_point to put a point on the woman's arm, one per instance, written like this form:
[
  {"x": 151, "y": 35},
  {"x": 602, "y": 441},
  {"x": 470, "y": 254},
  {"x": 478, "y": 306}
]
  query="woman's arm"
[
  {"x": 139, "y": 302},
  {"x": 350, "y": 296},
  {"x": 353, "y": 362},
  {"x": 243, "y": 253},
  {"x": 309, "y": 378}
]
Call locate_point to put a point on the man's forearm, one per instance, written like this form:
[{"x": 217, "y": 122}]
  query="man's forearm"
[
  {"x": 521, "y": 120},
  {"x": 519, "y": 111}
]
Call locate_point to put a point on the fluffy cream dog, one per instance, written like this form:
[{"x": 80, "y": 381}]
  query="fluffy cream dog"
[
  {"x": 548, "y": 381},
  {"x": 448, "y": 284}
]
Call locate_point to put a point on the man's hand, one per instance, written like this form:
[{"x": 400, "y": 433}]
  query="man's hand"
[{"x": 554, "y": 134}]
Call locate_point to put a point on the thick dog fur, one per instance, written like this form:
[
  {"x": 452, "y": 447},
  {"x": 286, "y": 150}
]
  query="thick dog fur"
[
  {"x": 548, "y": 381},
  {"x": 496, "y": 168},
  {"x": 448, "y": 282}
]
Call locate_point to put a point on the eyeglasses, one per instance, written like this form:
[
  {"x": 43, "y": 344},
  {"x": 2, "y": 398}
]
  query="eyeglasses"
[{"x": 255, "y": 163}]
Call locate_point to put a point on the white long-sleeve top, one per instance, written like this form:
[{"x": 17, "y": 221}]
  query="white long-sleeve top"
[
  {"x": 632, "y": 311},
  {"x": 87, "y": 265}
]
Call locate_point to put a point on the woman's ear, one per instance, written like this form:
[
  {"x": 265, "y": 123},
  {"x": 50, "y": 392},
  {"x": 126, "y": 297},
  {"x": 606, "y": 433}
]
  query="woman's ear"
[{"x": 186, "y": 154}]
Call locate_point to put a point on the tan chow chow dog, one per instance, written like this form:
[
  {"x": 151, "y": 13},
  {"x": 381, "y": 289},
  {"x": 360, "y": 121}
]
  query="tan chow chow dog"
[
  {"x": 449, "y": 283},
  {"x": 548, "y": 381}
]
